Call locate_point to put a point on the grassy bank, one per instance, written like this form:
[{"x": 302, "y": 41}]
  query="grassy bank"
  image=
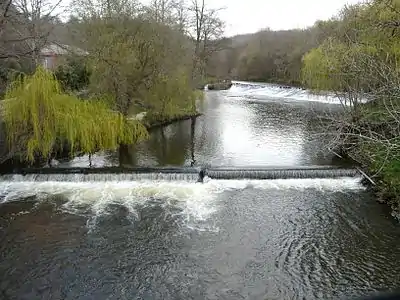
[
  {"x": 384, "y": 171},
  {"x": 186, "y": 110}
]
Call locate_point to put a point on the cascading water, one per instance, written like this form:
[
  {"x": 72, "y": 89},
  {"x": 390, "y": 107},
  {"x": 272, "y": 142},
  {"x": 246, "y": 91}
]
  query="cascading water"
[
  {"x": 281, "y": 173},
  {"x": 190, "y": 177},
  {"x": 254, "y": 91},
  {"x": 95, "y": 193}
]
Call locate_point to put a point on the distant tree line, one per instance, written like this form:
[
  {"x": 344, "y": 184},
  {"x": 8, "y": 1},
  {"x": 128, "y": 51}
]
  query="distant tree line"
[
  {"x": 277, "y": 56},
  {"x": 266, "y": 56}
]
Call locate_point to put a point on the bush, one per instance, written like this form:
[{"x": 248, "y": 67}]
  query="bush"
[
  {"x": 172, "y": 95},
  {"x": 74, "y": 75}
]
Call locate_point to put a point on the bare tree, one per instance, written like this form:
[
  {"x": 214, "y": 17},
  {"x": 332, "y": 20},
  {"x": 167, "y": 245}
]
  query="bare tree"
[
  {"x": 4, "y": 13},
  {"x": 207, "y": 29},
  {"x": 181, "y": 16},
  {"x": 162, "y": 11},
  {"x": 25, "y": 26},
  {"x": 366, "y": 133}
]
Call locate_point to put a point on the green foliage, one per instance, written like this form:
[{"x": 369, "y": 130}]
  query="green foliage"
[
  {"x": 74, "y": 75},
  {"x": 336, "y": 66},
  {"x": 171, "y": 95},
  {"x": 172, "y": 99},
  {"x": 39, "y": 118},
  {"x": 316, "y": 72},
  {"x": 360, "y": 43},
  {"x": 385, "y": 162},
  {"x": 140, "y": 65},
  {"x": 10, "y": 69}
]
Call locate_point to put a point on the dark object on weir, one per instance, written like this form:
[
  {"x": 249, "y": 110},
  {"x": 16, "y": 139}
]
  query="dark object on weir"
[{"x": 202, "y": 174}]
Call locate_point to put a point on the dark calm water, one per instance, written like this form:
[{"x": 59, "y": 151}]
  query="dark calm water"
[{"x": 236, "y": 239}]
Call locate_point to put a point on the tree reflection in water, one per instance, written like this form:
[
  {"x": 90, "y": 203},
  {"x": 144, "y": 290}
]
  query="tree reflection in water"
[{"x": 171, "y": 145}]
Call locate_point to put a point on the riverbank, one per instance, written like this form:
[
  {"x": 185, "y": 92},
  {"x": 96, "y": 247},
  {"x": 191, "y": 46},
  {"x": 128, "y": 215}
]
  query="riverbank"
[
  {"x": 384, "y": 183},
  {"x": 372, "y": 140},
  {"x": 156, "y": 121}
]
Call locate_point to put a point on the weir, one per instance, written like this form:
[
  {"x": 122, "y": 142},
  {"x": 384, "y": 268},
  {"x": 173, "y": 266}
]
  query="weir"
[
  {"x": 281, "y": 173},
  {"x": 176, "y": 174}
]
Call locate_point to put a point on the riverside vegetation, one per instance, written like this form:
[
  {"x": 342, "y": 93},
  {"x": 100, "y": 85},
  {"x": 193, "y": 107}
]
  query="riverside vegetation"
[
  {"x": 138, "y": 58},
  {"x": 359, "y": 60},
  {"x": 41, "y": 120}
]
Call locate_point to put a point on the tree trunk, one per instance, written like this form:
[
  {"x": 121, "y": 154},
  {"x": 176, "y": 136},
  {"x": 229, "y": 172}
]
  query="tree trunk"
[{"x": 192, "y": 138}]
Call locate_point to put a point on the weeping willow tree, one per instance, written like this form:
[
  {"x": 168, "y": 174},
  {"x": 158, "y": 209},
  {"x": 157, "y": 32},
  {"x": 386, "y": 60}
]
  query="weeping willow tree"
[{"x": 40, "y": 120}]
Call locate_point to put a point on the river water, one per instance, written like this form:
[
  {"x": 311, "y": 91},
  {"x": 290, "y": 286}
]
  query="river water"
[
  {"x": 244, "y": 126},
  {"x": 221, "y": 239}
]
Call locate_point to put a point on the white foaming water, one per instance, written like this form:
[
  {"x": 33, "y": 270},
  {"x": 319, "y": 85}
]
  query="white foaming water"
[
  {"x": 196, "y": 201},
  {"x": 264, "y": 91},
  {"x": 324, "y": 184}
]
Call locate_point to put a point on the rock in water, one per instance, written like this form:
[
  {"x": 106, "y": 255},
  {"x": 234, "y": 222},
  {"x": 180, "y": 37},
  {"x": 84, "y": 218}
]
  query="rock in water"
[{"x": 223, "y": 85}]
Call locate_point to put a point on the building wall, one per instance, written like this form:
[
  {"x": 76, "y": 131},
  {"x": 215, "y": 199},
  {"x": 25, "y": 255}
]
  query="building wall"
[{"x": 49, "y": 62}]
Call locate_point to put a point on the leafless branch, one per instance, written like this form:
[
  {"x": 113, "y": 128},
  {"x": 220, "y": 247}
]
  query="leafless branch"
[{"x": 358, "y": 125}]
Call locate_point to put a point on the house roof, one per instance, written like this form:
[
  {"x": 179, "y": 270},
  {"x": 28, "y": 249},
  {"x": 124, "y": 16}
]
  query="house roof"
[{"x": 61, "y": 49}]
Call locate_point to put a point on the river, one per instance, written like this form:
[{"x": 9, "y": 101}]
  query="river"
[{"x": 221, "y": 239}]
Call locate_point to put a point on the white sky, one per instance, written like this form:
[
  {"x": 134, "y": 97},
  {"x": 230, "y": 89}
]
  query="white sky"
[{"x": 247, "y": 16}]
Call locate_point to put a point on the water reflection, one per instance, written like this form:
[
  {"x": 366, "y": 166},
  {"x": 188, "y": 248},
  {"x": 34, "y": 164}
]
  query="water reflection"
[
  {"x": 234, "y": 131},
  {"x": 257, "y": 136},
  {"x": 173, "y": 145},
  {"x": 237, "y": 132}
]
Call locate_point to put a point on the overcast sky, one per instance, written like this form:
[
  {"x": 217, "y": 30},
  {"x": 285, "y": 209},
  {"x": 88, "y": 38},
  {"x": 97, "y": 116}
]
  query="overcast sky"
[{"x": 246, "y": 16}]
